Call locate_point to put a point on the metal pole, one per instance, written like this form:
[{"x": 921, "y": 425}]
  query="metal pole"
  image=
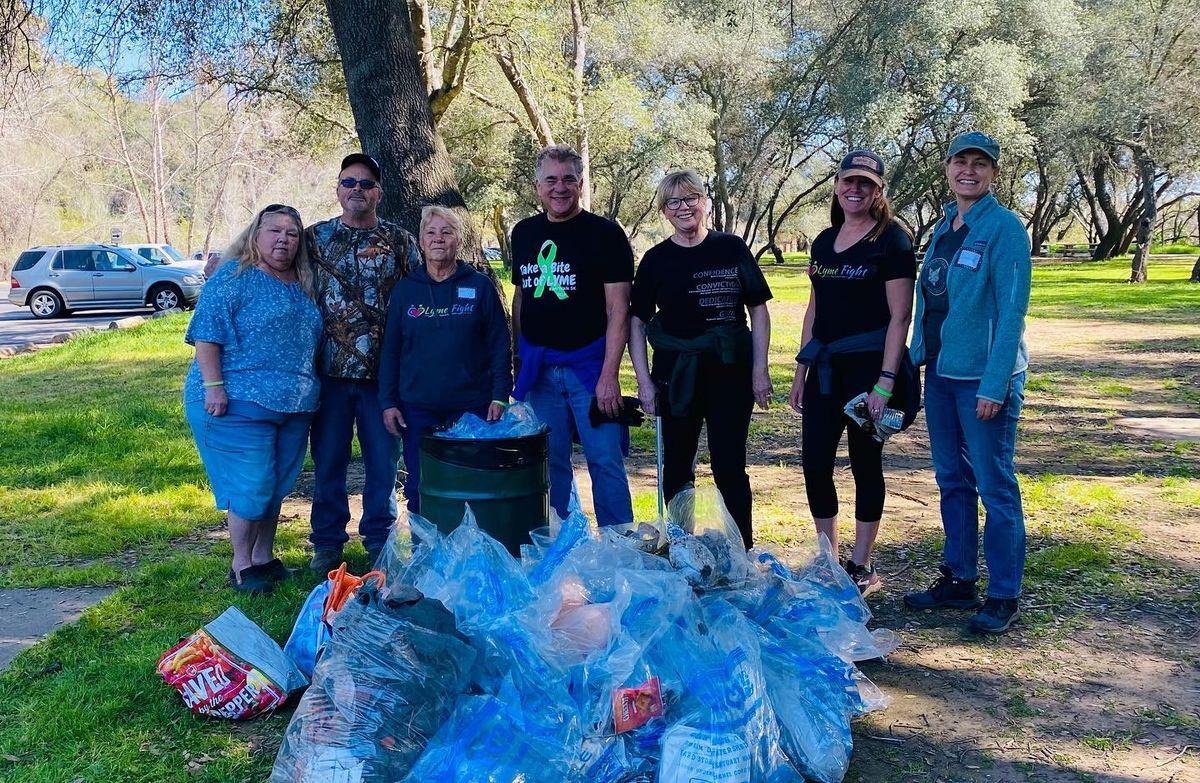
[{"x": 658, "y": 459}]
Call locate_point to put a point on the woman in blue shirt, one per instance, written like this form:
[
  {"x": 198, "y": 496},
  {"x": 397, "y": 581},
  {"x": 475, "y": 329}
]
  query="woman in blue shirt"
[
  {"x": 972, "y": 295},
  {"x": 252, "y": 388}
]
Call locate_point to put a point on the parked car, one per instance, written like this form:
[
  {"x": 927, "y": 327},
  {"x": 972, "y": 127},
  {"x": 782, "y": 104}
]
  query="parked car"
[
  {"x": 53, "y": 280},
  {"x": 165, "y": 254},
  {"x": 212, "y": 257}
]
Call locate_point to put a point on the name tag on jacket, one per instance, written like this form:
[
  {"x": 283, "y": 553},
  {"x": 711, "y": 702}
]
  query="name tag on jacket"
[{"x": 968, "y": 258}]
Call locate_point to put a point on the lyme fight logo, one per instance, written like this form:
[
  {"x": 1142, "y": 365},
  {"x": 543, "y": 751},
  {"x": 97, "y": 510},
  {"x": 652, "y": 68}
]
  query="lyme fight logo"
[{"x": 548, "y": 273}]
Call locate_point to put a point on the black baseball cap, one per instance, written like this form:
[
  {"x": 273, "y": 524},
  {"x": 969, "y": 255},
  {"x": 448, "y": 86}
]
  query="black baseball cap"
[
  {"x": 364, "y": 159},
  {"x": 862, "y": 163}
]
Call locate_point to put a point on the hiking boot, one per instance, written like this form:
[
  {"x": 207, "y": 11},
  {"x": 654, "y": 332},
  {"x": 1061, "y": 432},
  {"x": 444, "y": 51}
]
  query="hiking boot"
[
  {"x": 945, "y": 591},
  {"x": 325, "y": 560},
  {"x": 865, "y": 577},
  {"x": 996, "y": 615}
]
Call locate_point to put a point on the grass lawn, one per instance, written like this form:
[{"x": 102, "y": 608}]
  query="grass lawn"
[{"x": 100, "y": 485}]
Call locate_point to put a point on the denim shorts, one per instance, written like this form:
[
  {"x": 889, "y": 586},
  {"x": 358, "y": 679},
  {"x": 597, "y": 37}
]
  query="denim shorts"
[{"x": 252, "y": 455}]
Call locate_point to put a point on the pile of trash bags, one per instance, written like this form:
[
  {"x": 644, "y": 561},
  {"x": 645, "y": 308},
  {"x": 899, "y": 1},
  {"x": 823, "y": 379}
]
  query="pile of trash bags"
[{"x": 654, "y": 652}]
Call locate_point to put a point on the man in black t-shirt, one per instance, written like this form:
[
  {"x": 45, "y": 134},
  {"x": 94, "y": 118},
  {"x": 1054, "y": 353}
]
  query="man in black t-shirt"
[{"x": 572, "y": 272}]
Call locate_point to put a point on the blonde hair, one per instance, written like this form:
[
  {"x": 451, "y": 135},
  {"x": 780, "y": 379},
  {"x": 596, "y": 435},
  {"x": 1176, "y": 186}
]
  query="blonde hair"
[
  {"x": 432, "y": 211},
  {"x": 245, "y": 249},
  {"x": 685, "y": 180}
]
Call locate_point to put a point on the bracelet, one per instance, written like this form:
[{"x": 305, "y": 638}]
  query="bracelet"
[
  {"x": 213, "y": 384},
  {"x": 891, "y": 376},
  {"x": 884, "y": 393},
  {"x": 501, "y": 403}
]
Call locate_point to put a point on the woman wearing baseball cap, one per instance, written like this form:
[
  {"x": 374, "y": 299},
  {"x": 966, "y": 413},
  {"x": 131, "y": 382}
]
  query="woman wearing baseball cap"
[
  {"x": 971, "y": 301},
  {"x": 862, "y": 272}
]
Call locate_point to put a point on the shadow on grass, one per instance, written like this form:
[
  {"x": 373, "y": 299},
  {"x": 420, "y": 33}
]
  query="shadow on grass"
[
  {"x": 1162, "y": 344},
  {"x": 1029, "y": 704}
]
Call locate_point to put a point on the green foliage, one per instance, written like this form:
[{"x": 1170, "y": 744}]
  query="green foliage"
[{"x": 1100, "y": 289}]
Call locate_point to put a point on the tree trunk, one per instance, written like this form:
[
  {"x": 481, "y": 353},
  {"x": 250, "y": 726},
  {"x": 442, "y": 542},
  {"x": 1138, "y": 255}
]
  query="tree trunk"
[
  {"x": 158, "y": 172},
  {"x": 579, "y": 31},
  {"x": 1145, "y": 234},
  {"x": 501, "y": 229},
  {"x": 392, "y": 116},
  {"x": 1195, "y": 278},
  {"x": 123, "y": 146},
  {"x": 537, "y": 118}
]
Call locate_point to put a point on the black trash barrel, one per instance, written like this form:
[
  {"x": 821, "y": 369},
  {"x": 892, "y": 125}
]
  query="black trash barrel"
[{"x": 506, "y": 481}]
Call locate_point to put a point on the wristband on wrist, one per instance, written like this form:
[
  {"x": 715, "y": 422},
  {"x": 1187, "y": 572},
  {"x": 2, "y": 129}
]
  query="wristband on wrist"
[
  {"x": 501, "y": 403},
  {"x": 891, "y": 376},
  {"x": 884, "y": 393},
  {"x": 213, "y": 384}
]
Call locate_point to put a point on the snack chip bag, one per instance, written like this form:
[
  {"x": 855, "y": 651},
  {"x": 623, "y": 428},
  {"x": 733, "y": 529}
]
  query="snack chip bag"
[
  {"x": 230, "y": 669},
  {"x": 634, "y": 706}
]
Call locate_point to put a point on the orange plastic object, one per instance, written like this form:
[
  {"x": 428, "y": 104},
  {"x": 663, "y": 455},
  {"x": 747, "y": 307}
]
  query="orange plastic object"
[{"x": 343, "y": 586}]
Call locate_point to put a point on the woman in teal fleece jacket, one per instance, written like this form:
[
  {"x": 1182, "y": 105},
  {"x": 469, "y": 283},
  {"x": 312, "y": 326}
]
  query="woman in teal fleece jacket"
[{"x": 972, "y": 295}]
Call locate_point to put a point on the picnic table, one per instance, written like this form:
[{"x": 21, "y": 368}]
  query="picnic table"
[{"x": 1077, "y": 251}]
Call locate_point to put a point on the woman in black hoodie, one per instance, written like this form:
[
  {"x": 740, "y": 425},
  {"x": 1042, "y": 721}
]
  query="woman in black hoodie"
[{"x": 446, "y": 350}]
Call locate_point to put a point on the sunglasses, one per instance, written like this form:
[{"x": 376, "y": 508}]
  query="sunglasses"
[
  {"x": 284, "y": 208},
  {"x": 366, "y": 184}
]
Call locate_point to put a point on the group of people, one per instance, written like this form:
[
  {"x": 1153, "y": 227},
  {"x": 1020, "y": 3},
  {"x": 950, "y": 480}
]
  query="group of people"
[{"x": 306, "y": 337}]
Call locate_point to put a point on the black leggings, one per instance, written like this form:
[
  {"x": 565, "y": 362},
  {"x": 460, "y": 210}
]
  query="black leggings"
[
  {"x": 822, "y": 424},
  {"x": 724, "y": 399}
]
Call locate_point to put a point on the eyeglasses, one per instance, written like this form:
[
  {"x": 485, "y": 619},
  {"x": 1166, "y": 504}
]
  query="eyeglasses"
[
  {"x": 691, "y": 201},
  {"x": 269, "y": 208},
  {"x": 366, "y": 184},
  {"x": 570, "y": 181}
]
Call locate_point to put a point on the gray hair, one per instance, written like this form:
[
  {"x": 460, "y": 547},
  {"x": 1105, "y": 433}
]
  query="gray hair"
[
  {"x": 562, "y": 153},
  {"x": 432, "y": 211},
  {"x": 685, "y": 180}
]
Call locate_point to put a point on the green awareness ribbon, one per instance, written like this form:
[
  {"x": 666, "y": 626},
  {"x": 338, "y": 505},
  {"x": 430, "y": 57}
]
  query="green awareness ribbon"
[{"x": 545, "y": 261}]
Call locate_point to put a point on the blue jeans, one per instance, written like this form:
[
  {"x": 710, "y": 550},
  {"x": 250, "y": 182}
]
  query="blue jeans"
[
  {"x": 974, "y": 460},
  {"x": 558, "y": 399},
  {"x": 419, "y": 421},
  {"x": 252, "y": 455},
  {"x": 348, "y": 406}
]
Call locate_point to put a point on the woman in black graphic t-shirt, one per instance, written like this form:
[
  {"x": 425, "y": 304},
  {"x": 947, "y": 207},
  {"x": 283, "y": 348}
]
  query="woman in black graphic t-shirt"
[
  {"x": 690, "y": 297},
  {"x": 862, "y": 273}
]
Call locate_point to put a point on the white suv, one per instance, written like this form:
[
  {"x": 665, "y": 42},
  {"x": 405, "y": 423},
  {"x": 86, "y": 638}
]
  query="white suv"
[
  {"x": 55, "y": 279},
  {"x": 165, "y": 254}
]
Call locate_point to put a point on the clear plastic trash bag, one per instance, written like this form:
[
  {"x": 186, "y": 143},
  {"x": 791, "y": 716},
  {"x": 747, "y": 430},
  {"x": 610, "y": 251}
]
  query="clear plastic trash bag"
[{"x": 389, "y": 678}]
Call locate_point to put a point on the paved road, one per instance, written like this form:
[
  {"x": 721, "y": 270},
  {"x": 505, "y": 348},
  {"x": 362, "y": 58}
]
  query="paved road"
[{"x": 17, "y": 324}]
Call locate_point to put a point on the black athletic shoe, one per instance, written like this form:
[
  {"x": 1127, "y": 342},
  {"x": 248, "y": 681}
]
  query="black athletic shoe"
[
  {"x": 864, "y": 577},
  {"x": 945, "y": 591},
  {"x": 996, "y": 616}
]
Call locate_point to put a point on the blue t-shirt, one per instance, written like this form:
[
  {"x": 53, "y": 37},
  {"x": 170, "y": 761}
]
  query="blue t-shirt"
[{"x": 269, "y": 332}]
